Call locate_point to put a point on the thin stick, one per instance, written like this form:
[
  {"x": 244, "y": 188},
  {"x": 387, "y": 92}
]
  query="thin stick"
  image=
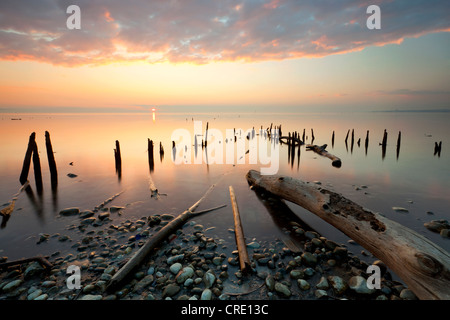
[{"x": 244, "y": 261}]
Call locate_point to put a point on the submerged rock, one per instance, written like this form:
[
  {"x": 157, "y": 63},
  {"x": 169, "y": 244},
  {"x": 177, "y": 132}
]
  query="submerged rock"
[{"x": 69, "y": 211}]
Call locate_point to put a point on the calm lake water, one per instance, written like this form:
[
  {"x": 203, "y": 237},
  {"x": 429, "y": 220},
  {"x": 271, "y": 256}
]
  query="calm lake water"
[{"x": 415, "y": 178}]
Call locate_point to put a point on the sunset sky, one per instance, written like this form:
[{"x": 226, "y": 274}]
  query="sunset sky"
[{"x": 224, "y": 54}]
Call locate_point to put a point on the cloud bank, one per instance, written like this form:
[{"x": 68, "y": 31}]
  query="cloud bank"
[{"x": 203, "y": 31}]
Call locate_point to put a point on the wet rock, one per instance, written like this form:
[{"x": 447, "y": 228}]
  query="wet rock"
[
  {"x": 170, "y": 290},
  {"x": 33, "y": 295},
  {"x": 400, "y": 209},
  {"x": 445, "y": 233},
  {"x": 33, "y": 269},
  {"x": 320, "y": 294},
  {"x": 338, "y": 284},
  {"x": 102, "y": 216},
  {"x": 407, "y": 295},
  {"x": 86, "y": 214},
  {"x": 253, "y": 245},
  {"x": 309, "y": 259},
  {"x": 209, "y": 278},
  {"x": 437, "y": 225},
  {"x": 270, "y": 282},
  {"x": 296, "y": 274},
  {"x": 175, "y": 268},
  {"x": 116, "y": 208},
  {"x": 359, "y": 285},
  {"x": 184, "y": 274},
  {"x": 69, "y": 211},
  {"x": 167, "y": 217},
  {"x": 303, "y": 284},
  {"x": 206, "y": 294},
  {"x": 323, "y": 284},
  {"x": 12, "y": 285},
  {"x": 87, "y": 221},
  {"x": 282, "y": 290},
  {"x": 91, "y": 297},
  {"x": 143, "y": 284},
  {"x": 177, "y": 258}
]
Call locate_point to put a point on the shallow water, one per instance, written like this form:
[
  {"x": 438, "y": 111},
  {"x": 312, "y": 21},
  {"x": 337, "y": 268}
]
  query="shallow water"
[{"x": 414, "y": 178}]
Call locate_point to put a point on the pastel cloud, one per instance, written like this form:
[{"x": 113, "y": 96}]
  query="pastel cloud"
[{"x": 202, "y": 31}]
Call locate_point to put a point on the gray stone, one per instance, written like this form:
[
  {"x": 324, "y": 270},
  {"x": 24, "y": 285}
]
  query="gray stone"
[
  {"x": 209, "y": 278},
  {"x": 206, "y": 294},
  {"x": 33, "y": 295},
  {"x": 170, "y": 290},
  {"x": 338, "y": 284},
  {"x": 320, "y": 293},
  {"x": 359, "y": 285},
  {"x": 89, "y": 220},
  {"x": 303, "y": 284},
  {"x": 407, "y": 295},
  {"x": 184, "y": 274},
  {"x": 400, "y": 209},
  {"x": 253, "y": 245},
  {"x": 102, "y": 216},
  {"x": 69, "y": 211},
  {"x": 175, "y": 268},
  {"x": 92, "y": 297},
  {"x": 115, "y": 208},
  {"x": 445, "y": 233},
  {"x": 143, "y": 283},
  {"x": 282, "y": 290},
  {"x": 270, "y": 282},
  {"x": 41, "y": 297},
  {"x": 309, "y": 259},
  {"x": 33, "y": 269},
  {"x": 323, "y": 284},
  {"x": 176, "y": 258},
  {"x": 296, "y": 274},
  {"x": 12, "y": 285},
  {"x": 86, "y": 214}
]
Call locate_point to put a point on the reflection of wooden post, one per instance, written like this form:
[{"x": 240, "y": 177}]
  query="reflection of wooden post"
[
  {"x": 244, "y": 261},
  {"x": 346, "y": 137},
  {"x": 27, "y": 161},
  {"x": 367, "y": 141},
  {"x": 51, "y": 161},
  {"x": 151, "y": 161},
  {"x": 37, "y": 168},
  {"x": 332, "y": 140}
]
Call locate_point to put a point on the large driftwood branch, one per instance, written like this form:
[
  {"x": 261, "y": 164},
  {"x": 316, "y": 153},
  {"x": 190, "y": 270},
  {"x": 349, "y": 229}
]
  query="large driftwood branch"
[
  {"x": 244, "y": 261},
  {"x": 156, "y": 240},
  {"x": 41, "y": 259},
  {"x": 423, "y": 266},
  {"x": 336, "y": 162}
]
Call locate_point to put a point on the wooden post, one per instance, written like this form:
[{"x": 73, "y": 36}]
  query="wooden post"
[
  {"x": 118, "y": 158},
  {"x": 51, "y": 161},
  {"x": 420, "y": 263},
  {"x": 37, "y": 168},
  {"x": 27, "y": 161},
  {"x": 206, "y": 135},
  {"x": 398, "y": 143},
  {"x": 244, "y": 261},
  {"x": 383, "y": 145},
  {"x": 312, "y": 136}
]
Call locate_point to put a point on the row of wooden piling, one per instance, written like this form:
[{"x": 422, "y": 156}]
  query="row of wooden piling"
[{"x": 32, "y": 153}]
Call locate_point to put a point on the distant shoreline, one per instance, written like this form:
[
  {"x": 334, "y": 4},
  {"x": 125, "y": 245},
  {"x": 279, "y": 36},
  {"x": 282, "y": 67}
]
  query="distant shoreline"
[{"x": 199, "y": 110}]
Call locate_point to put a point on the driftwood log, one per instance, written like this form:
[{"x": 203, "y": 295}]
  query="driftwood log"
[
  {"x": 421, "y": 264},
  {"x": 41, "y": 259},
  {"x": 244, "y": 261},
  {"x": 336, "y": 162},
  {"x": 156, "y": 240}
]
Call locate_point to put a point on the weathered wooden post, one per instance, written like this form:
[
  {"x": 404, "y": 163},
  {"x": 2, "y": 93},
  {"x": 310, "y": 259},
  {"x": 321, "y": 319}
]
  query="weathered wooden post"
[
  {"x": 27, "y": 161},
  {"x": 332, "y": 140},
  {"x": 118, "y": 159},
  {"x": 398, "y": 143},
  {"x": 37, "y": 168},
  {"x": 51, "y": 161},
  {"x": 367, "y": 141}
]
